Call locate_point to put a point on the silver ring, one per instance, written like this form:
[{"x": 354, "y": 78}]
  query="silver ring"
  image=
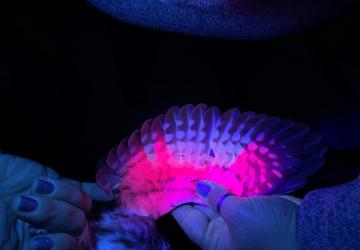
[{"x": 220, "y": 201}]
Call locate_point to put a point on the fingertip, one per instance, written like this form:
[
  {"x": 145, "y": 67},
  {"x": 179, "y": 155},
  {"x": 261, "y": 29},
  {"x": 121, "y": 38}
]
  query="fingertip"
[
  {"x": 207, "y": 186},
  {"x": 24, "y": 204},
  {"x": 219, "y": 200},
  {"x": 55, "y": 241},
  {"x": 178, "y": 212},
  {"x": 203, "y": 189},
  {"x": 182, "y": 214},
  {"x": 41, "y": 243},
  {"x": 43, "y": 186}
]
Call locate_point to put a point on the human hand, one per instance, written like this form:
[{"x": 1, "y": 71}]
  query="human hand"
[
  {"x": 35, "y": 199},
  {"x": 258, "y": 222}
]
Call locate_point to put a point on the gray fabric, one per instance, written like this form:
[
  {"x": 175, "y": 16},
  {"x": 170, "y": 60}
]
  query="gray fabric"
[
  {"x": 222, "y": 19},
  {"x": 329, "y": 218}
]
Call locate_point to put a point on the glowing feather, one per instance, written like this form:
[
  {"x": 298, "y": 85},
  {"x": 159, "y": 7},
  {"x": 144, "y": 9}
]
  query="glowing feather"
[{"x": 156, "y": 169}]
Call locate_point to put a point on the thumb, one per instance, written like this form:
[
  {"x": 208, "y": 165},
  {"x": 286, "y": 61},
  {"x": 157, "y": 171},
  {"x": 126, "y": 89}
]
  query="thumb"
[
  {"x": 95, "y": 192},
  {"x": 91, "y": 189},
  {"x": 213, "y": 194}
]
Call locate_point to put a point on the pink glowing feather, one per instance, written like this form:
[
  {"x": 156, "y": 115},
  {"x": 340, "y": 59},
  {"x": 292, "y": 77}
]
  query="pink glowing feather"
[{"x": 156, "y": 169}]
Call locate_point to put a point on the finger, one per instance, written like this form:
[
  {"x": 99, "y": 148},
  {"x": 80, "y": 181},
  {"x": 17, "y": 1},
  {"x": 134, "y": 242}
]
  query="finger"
[
  {"x": 96, "y": 193},
  {"x": 52, "y": 215},
  {"x": 211, "y": 192},
  {"x": 61, "y": 190},
  {"x": 193, "y": 222},
  {"x": 207, "y": 210},
  {"x": 92, "y": 189},
  {"x": 57, "y": 241}
]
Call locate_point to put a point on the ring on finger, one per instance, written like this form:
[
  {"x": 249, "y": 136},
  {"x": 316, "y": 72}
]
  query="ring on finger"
[{"x": 220, "y": 200}]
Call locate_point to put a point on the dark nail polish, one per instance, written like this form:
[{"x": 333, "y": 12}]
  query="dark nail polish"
[
  {"x": 203, "y": 189},
  {"x": 27, "y": 204},
  {"x": 44, "y": 187},
  {"x": 42, "y": 243}
]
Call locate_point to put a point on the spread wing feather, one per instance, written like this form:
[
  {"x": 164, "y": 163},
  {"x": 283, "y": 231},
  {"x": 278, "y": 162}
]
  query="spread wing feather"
[{"x": 156, "y": 169}]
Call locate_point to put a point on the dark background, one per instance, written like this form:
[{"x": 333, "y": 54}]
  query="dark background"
[{"x": 74, "y": 82}]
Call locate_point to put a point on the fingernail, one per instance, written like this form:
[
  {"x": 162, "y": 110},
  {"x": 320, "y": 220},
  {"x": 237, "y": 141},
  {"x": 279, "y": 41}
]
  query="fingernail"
[
  {"x": 202, "y": 189},
  {"x": 42, "y": 243},
  {"x": 27, "y": 204},
  {"x": 44, "y": 187}
]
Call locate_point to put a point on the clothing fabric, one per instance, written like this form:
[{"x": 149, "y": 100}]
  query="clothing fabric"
[
  {"x": 329, "y": 218},
  {"x": 205, "y": 18}
]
